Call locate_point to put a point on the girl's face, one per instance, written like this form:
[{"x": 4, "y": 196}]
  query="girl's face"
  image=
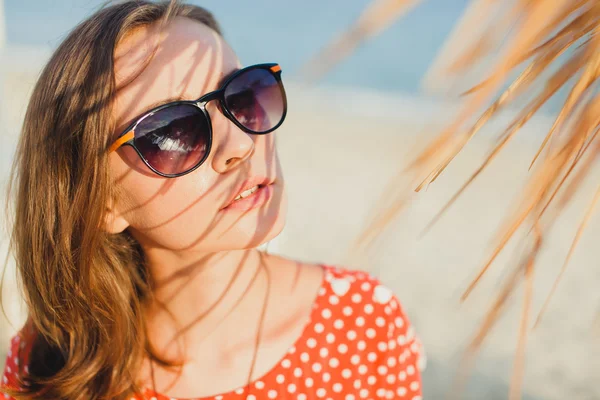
[{"x": 189, "y": 212}]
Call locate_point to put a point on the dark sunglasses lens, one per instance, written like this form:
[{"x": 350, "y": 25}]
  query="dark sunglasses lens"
[
  {"x": 174, "y": 139},
  {"x": 256, "y": 100}
]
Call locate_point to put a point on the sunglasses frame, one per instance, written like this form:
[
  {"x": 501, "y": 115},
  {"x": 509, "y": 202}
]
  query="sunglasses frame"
[{"x": 127, "y": 137}]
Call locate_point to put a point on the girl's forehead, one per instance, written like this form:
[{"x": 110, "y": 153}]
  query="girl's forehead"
[{"x": 185, "y": 60}]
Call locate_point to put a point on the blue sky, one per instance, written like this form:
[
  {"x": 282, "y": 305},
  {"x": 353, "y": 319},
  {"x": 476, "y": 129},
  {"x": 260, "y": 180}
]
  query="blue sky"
[{"x": 288, "y": 32}]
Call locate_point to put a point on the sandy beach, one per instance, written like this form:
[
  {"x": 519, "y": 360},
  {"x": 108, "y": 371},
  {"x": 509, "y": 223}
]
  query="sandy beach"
[{"x": 339, "y": 148}]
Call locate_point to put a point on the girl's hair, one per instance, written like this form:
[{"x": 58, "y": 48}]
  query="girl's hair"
[{"x": 84, "y": 288}]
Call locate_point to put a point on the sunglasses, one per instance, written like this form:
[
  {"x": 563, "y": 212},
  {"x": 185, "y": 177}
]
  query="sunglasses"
[{"x": 175, "y": 138}]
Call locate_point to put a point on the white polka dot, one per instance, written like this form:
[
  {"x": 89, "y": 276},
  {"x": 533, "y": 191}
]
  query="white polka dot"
[
  {"x": 302, "y": 396},
  {"x": 319, "y": 328},
  {"x": 251, "y": 397},
  {"x": 382, "y": 346},
  {"x": 321, "y": 392},
  {"x": 333, "y": 299},
  {"x": 391, "y": 379},
  {"x": 380, "y": 392},
  {"x": 392, "y": 344},
  {"x": 360, "y": 321},
  {"x": 346, "y": 373},
  {"x": 371, "y": 333},
  {"x": 401, "y": 340},
  {"x": 304, "y": 357},
  {"x": 399, "y": 322},
  {"x": 309, "y": 382},
  {"x": 272, "y": 394},
  {"x": 380, "y": 321},
  {"x": 387, "y": 310},
  {"x": 280, "y": 378},
  {"x": 4, "y": 379},
  {"x": 362, "y": 369},
  {"x": 291, "y": 388},
  {"x": 349, "y": 397},
  {"x": 351, "y": 335},
  {"x": 382, "y": 294},
  {"x": 8, "y": 369},
  {"x": 356, "y": 298},
  {"x": 337, "y": 387},
  {"x": 402, "y": 375},
  {"x": 389, "y": 394},
  {"x": 369, "y": 308},
  {"x": 330, "y": 338},
  {"x": 372, "y": 357},
  {"x": 371, "y": 380},
  {"x": 317, "y": 367},
  {"x": 410, "y": 370},
  {"x": 391, "y": 362},
  {"x": 322, "y": 291},
  {"x": 286, "y": 363},
  {"x": 326, "y": 313},
  {"x": 355, "y": 359},
  {"x": 292, "y": 350},
  {"x": 326, "y": 377},
  {"x": 382, "y": 370},
  {"x": 16, "y": 361},
  {"x": 401, "y": 391},
  {"x": 239, "y": 391},
  {"x": 311, "y": 343},
  {"x": 340, "y": 286},
  {"x": 414, "y": 347},
  {"x": 414, "y": 386},
  {"x": 259, "y": 384},
  {"x": 343, "y": 348},
  {"x": 366, "y": 286},
  {"x": 364, "y": 393},
  {"x": 298, "y": 372},
  {"x": 362, "y": 345},
  {"x": 324, "y": 352},
  {"x": 334, "y": 362},
  {"x": 338, "y": 324},
  {"x": 417, "y": 398},
  {"x": 357, "y": 384},
  {"x": 347, "y": 311}
]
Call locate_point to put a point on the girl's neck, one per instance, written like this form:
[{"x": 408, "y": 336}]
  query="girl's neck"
[{"x": 196, "y": 296}]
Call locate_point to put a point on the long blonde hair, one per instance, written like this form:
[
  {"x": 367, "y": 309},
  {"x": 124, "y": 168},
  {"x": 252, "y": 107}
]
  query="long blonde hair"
[{"x": 84, "y": 288}]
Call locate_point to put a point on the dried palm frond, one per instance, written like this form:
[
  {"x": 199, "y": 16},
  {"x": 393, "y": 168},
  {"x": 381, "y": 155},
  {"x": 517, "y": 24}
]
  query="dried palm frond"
[
  {"x": 551, "y": 45},
  {"x": 378, "y": 16}
]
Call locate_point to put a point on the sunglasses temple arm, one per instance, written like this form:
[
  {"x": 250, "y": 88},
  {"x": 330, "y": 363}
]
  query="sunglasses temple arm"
[{"x": 121, "y": 140}]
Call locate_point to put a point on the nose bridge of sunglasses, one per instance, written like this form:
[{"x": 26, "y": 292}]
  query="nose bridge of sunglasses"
[{"x": 216, "y": 95}]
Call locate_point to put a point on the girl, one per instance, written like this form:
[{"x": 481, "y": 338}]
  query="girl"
[{"x": 146, "y": 177}]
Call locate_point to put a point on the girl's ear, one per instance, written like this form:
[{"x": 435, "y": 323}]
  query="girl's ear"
[{"x": 114, "y": 221}]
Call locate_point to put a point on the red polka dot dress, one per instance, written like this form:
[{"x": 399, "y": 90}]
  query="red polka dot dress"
[{"x": 358, "y": 344}]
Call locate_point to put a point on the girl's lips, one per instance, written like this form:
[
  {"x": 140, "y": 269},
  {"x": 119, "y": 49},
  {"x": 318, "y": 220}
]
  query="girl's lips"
[{"x": 255, "y": 200}]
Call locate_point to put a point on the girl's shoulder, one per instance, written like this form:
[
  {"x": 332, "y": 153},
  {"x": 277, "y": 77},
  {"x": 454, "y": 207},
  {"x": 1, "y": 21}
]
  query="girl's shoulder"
[
  {"x": 362, "y": 306},
  {"x": 359, "y": 294}
]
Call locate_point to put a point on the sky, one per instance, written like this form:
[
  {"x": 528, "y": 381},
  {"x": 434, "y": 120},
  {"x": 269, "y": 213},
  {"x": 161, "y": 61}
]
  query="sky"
[{"x": 288, "y": 32}]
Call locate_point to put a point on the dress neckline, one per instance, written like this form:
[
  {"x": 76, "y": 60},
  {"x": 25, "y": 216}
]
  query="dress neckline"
[{"x": 297, "y": 346}]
